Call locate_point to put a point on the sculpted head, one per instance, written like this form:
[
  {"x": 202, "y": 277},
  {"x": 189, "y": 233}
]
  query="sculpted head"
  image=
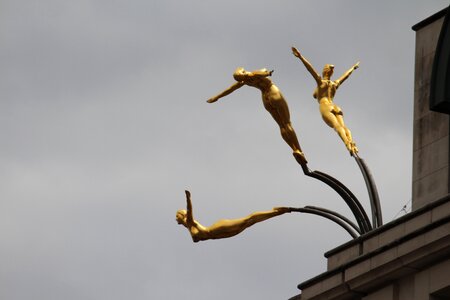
[
  {"x": 327, "y": 71},
  {"x": 181, "y": 216},
  {"x": 239, "y": 73}
]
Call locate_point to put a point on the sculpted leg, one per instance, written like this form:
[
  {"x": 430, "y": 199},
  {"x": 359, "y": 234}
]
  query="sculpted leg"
[
  {"x": 262, "y": 216},
  {"x": 288, "y": 134},
  {"x": 351, "y": 145},
  {"x": 279, "y": 110},
  {"x": 282, "y": 117},
  {"x": 228, "y": 228},
  {"x": 334, "y": 118}
]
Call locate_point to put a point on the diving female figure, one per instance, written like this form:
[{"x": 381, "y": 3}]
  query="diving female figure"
[
  {"x": 324, "y": 93},
  {"x": 222, "y": 228},
  {"x": 273, "y": 101}
]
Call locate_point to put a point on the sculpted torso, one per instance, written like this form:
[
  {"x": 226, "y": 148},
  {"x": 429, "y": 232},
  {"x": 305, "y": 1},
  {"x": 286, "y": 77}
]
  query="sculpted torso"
[
  {"x": 325, "y": 91},
  {"x": 198, "y": 231},
  {"x": 269, "y": 91}
]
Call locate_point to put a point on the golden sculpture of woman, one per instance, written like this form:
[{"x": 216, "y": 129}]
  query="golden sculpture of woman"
[
  {"x": 324, "y": 93},
  {"x": 222, "y": 228},
  {"x": 273, "y": 101}
]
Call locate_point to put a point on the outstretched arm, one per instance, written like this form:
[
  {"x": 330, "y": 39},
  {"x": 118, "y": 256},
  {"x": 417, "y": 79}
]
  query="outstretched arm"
[
  {"x": 226, "y": 92},
  {"x": 347, "y": 74},
  {"x": 308, "y": 66},
  {"x": 189, "y": 216}
]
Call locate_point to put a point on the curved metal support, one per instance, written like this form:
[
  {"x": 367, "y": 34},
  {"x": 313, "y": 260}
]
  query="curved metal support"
[
  {"x": 329, "y": 216},
  {"x": 360, "y": 208},
  {"x": 338, "y": 215},
  {"x": 377, "y": 219},
  {"x": 349, "y": 198}
]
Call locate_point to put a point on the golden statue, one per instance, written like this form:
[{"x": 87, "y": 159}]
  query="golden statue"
[
  {"x": 222, "y": 228},
  {"x": 324, "y": 93},
  {"x": 273, "y": 101}
]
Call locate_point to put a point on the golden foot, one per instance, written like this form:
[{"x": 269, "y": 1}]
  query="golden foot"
[
  {"x": 283, "y": 209},
  {"x": 354, "y": 149},
  {"x": 300, "y": 157}
]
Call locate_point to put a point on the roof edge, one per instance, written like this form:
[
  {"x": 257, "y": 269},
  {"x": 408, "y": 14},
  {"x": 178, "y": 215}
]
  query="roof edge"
[{"x": 430, "y": 19}]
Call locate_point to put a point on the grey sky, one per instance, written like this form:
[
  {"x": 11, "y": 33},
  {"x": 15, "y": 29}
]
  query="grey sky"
[{"x": 104, "y": 124}]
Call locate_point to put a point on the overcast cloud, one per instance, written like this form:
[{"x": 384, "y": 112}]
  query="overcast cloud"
[{"x": 104, "y": 124}]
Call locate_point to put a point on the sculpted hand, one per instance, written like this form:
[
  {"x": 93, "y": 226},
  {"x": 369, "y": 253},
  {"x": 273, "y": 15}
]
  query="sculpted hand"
[
  {"x": 356, "y": 66},
  {"x": 296, "y": 52}
]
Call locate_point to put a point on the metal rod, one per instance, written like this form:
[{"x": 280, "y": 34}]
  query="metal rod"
[
  {"x": 377, "y": 219},
  {"x": 327, "y": 216},
  {"x": 349, "y": 198},
  {"x": 365, "y": 218},
  {"x": 338, "y": 215}
]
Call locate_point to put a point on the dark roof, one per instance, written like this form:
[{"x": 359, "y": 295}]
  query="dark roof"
[{"x": 430, "y": 19}]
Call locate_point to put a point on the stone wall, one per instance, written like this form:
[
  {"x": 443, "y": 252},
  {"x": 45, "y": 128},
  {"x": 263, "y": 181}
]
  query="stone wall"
[{"x": 431, "y": 129}]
